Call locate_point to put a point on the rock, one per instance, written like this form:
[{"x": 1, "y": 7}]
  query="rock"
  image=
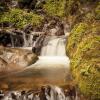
[
  {"x": 11, "y": 38},
  {"x": 5, "y": 67},
  {"x": 17, "y": 56}
]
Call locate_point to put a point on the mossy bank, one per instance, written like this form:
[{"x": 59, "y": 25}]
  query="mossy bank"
[{"x": 84, "y": 48}]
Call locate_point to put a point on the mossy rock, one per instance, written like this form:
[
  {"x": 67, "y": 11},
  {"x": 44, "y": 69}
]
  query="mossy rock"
[
  {"x": 84, "y": 49},
  {"x": 76, "y": 36}
]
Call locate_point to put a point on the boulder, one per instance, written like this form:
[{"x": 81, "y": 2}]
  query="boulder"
[{"x": 18, "y": 56}]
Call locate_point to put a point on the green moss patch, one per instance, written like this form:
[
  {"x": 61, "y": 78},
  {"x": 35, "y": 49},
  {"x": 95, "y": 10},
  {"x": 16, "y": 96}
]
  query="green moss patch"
[
  {"x": 84, "y": 50},
  {"x": 19, "y": 18},
  {"x": 55, "y": 7}
]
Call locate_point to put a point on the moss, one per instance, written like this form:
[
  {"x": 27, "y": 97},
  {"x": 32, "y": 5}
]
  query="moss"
[
  {"x": 19, "y": 18},
  {"x": 55, "y": 7},
  {"x": 84, "y": 50},
  {"x": 76, "y": 35}
]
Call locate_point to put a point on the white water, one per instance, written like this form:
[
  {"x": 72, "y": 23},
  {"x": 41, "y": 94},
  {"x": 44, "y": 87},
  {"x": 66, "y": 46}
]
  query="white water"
[
  {"x": 52, "y": 62},
  {"x": 54, "y": 59},
  {"x": 53, "y": 56},
  {"x": 53, "y": 53},
  {"x": 54, "y": 47},
  {"x": 56, "y": 93}
]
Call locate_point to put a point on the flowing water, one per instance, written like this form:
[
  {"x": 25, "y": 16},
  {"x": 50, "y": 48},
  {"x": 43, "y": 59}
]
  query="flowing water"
[
  {"x": 53, "y": 53},
  {"x": 54, "y": 46},
  {"x": 53, "y": 60},
  {"x": 53, "y": 56},
  {"x": 53, "y": 67}
]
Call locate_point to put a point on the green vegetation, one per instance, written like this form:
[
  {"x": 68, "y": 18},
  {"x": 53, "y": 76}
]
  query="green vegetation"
[
  {"x": 77, "y": 34},
  {"x": 84, "y": 49},
  {"x": 19, "y": 18},
  {"x": 61, "y": 8},
  {"x": 55, "y": 7}
]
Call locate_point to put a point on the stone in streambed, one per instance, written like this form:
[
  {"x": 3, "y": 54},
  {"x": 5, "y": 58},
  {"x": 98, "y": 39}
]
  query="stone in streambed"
[{"x": 18, "y": 56}]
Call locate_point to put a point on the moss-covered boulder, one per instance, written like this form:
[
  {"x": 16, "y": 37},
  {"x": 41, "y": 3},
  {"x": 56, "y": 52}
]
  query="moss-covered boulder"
[{"x": 84, "y": 51}]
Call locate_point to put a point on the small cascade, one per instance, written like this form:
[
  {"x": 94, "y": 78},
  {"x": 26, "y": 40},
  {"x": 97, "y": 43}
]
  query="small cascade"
[
  {"x": 53, "y": 46},
  {"x": 48, "y": 92},
  {"x": 30, "y": 40},
  {"x": 12, "y": 40},
  {"x": 27, "y": 40},
  {"x": 56, "y": 93}
]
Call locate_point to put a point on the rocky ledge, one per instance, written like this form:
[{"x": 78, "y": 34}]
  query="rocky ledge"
[{"x": 12, "y": 58}]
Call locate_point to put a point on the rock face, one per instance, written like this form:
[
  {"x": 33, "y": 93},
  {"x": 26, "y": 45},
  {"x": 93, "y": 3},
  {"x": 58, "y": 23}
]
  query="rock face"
[
  {"x": 84, "y": 51},
  {"x": 17, "y": 56}
]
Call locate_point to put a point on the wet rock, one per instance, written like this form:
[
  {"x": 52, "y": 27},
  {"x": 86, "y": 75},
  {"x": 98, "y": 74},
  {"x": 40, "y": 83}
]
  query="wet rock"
[
  {"x": 5, "y": 67},
  {"x": 17, "y": 56},
  {"x": 11, "y": 38}
]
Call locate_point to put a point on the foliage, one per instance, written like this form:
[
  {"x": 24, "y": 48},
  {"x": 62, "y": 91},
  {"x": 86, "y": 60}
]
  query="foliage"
[
  {"x": 19, "y": 18},
  {"x": 72, "y": 7},
  {"x": 55, "y": 7},
  {"x": 76, "y": 36},
  {"x": 84, "y": 49}
]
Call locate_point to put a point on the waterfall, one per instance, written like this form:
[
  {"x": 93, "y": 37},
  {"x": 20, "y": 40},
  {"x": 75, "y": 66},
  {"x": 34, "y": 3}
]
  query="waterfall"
[
  {"x": 54, "y": 46},
  {"x": 27, "y": 40},
  {"x": 12, "y": 40}
]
